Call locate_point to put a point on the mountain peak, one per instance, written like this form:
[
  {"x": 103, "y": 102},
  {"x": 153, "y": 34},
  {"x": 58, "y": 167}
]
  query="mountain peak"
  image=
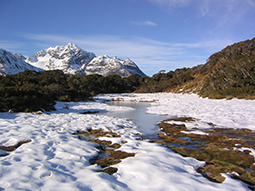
[
  {"x": 65, "y": 48},
  {"x": 68, "y": 58},
  {"x": 104, "y": 65},
  {"x": 72, "y": 46}
]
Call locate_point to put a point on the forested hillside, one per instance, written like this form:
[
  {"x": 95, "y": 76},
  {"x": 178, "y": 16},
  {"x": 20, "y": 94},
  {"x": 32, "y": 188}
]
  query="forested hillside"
[{"x": 228, "y": 73}]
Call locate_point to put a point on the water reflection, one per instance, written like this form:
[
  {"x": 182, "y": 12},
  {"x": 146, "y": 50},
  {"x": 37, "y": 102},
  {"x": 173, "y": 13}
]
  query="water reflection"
[{"x": 146, "y": 122}]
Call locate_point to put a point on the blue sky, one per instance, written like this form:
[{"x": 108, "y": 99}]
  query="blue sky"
[{"x": 155, "y": 34}]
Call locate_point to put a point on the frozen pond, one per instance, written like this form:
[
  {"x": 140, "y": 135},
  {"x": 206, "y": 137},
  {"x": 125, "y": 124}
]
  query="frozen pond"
[{"x": 146, "y": 122}]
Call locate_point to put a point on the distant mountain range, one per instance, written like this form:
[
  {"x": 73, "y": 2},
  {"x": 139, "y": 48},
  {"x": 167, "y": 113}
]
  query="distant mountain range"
[{"x": 70, "y": 59}]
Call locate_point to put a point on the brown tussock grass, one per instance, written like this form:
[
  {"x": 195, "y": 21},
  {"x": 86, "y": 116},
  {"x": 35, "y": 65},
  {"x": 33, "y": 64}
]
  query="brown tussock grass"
[
  {"x": 107, "y": 154},
  {"x": 14, "y": 147},
  {"x": 217, "y": 149}
]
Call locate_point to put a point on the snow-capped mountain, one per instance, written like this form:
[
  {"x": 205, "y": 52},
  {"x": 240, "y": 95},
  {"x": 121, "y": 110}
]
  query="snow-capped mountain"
[
  {"x": 69, "y": 58},
  {"x": 104, "y": 65},
  {"x": 72, "y": 60},
  {"x": 12, "y": 63}
]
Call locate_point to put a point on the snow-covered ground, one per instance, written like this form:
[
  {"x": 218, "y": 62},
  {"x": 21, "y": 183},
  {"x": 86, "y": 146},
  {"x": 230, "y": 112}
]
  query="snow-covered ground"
[
  {"x": 55, "y": 159},
  {"x": 235, "y": 113}
]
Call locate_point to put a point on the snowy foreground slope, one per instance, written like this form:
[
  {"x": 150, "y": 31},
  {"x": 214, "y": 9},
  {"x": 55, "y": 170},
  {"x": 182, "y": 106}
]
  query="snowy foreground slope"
[{"x": 55, "y": 159}]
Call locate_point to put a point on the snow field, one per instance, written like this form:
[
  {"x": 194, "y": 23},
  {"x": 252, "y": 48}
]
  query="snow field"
[{"x": 57, "y": 160}]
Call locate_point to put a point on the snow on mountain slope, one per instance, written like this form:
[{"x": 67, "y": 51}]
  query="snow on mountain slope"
[
  {"x": 132, "y": 67},
  {"x": 12, "y": 63},
  {"x": 104, "y": 65},
  {"x": 72, "y": 59},
  {"x": 69, "y": 58}
]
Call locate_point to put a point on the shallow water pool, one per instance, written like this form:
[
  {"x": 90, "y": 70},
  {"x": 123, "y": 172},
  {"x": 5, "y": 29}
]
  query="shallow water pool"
[{"x": 146, "y": 122}]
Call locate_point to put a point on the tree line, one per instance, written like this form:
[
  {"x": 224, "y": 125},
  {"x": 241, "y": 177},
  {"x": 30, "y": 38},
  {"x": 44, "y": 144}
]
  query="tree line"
[{"x": 32, "y": 91}]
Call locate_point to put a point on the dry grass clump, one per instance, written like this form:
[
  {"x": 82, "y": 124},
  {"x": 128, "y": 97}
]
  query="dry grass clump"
[
  {"x": 119, "y": 154},
  {"x": 233, "y": 157},
  {"x": 195, "y": 153},
  {"x": 160, "y": 142},
  {"x": 105, "y": 143},
  {"x": 212, "y": 172},
  {"x": 115, "y": 146},
  {"x": 107, "y": 157},
  {"x": 14, "y": 147},
  {"x": 216, "y": 148},
  {"x": 101, "y": 142},
  {"x": 234, "y": 137},
  {"x": 220, "y": 140},
  {"x": 172, "y": 128},
  {"x": 112, "y": 157},
  {"x": 105, "y": 162},
  {"x": 183, "y": 119},
  {"x": 180, "y": 141},
  {"x": 110, "y": 170},
  {"x": 85, "y": 133},
  {"x": 171, "y": 139},
  {"x": 247, "y": 177},
  {"x": 107, "y": 154},
  {"x": 96, "y": 133},
  {"x": 244, "y": 131},
  {"x": 203, "y": 138}
]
